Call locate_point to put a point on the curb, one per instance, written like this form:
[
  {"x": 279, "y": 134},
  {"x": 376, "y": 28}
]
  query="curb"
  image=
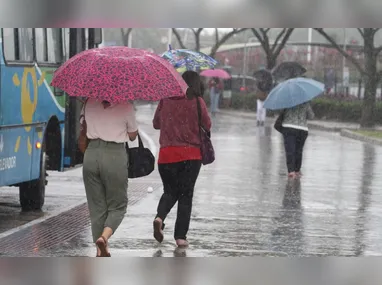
[
  {"x": 318, "y": 127},
  {"x": 352, "y": 135},
  {"x": 312, "y": 126},
  {"x": 240, "y": 115}
]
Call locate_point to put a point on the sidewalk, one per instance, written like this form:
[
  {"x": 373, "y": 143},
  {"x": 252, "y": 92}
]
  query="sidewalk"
[
  {"x": 243, "y": 203},
  {"x": 321, "y": 125}
]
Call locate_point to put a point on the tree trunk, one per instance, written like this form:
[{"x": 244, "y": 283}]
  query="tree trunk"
[
  {"x": 368, "y": 107},
  {"x": 197, "y": 42},
  {"x": 125, "y": 36},
  {"x": 271, "y": 61},
  {"x": 371, "y": 81},
  {"x": 359, "y": 88}
]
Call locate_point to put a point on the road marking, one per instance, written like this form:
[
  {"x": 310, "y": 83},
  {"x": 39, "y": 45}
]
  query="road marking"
[{"x": 153, "y": 148}]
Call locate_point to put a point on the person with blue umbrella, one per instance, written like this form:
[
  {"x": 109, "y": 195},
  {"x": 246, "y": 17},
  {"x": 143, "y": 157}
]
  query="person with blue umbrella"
[{"x": 292, "y": 97}]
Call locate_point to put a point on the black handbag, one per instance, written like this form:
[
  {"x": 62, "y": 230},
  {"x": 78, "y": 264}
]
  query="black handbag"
[
  {"x": 279, "y": 123},
  {"x": 141, "y": 160}
]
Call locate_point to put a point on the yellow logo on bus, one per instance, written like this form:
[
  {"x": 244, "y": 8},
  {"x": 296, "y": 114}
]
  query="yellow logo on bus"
[{"x": 28, "y": 105}]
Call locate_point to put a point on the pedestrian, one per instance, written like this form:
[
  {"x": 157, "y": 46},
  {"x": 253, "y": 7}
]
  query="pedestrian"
[
  {"x": 215, "y": 90},
  {"x": 180, "y": 157},
  {"x": 108, "y": 127},
  {"x": 295, "y": 133},
  {"x": 263, "y": 87},
  {"x": 261, "y": 113}
]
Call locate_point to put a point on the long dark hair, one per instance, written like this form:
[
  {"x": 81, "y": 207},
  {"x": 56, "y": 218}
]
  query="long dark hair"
[{"x": 194, "y": 83}]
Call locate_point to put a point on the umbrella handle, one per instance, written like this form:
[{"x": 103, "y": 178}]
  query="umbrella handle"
[{"x": 169, "y": 47}]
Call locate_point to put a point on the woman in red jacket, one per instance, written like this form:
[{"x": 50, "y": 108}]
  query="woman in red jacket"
[{"x": 179, "y": 160}]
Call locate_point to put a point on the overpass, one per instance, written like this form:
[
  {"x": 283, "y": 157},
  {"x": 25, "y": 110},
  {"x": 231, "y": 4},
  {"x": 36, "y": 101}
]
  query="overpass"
[{"x": 241, "y": 46}]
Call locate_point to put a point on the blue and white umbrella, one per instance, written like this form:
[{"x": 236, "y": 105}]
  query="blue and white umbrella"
[
  {"x": 184, "y": 59},
  {"x": 293, "y": 92}
]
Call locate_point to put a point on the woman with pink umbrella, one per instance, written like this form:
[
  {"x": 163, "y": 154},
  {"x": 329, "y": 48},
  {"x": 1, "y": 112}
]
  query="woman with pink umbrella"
[
  {"x": 109, "y": 78},
  {"x": 216, "y": 86}
]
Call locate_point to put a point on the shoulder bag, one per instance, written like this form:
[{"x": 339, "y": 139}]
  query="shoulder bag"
[
  {"x": 83, "y": 140},
  {"x": 279, "y": 122},
  {"x": 206, "y": 147},
  {"x": 141, "y": 160}
]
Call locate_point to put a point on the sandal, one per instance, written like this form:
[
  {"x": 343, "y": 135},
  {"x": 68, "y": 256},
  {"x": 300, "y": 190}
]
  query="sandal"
[{"x": 101, "y": 243}]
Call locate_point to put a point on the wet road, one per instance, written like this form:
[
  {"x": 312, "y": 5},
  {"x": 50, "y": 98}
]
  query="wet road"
[{"x": 243, "y": 203}]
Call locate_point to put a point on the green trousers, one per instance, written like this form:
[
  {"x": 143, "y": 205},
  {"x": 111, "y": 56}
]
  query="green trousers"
[{"x": 105, "y": 177}]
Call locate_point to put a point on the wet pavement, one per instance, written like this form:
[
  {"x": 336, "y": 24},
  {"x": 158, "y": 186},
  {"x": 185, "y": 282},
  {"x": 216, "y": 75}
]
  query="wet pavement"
[{"x": 243, "y": 203}]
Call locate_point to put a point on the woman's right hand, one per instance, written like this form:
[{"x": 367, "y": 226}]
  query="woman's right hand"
[{"x": 133, "y": 135}]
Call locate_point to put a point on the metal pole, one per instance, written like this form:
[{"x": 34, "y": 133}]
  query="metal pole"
[
  {"x": 245, "y": 64},
  {"x": 310, "y": 35},
  {"x": 245, "y": 59},
  {"x": 344, "y": 61},
  {"x": 130, "y": 39},
  {"x": 169, "y": 37}
]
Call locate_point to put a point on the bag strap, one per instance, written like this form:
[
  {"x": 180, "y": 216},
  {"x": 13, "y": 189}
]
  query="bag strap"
[
  {"x": 83, "y": 115},
  {"x": 140, "y": 143},
  {"x": 199, "y": 112}
]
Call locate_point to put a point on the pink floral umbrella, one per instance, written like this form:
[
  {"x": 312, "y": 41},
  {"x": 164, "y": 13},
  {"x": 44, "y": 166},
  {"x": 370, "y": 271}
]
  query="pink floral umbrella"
[
  {"x": 119, "y": 74},
  {"x": 219, "y": 73}
]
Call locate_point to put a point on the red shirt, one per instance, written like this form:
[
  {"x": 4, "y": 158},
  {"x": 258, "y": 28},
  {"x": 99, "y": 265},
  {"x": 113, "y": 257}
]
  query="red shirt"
[{"x": 177, "y": 120}]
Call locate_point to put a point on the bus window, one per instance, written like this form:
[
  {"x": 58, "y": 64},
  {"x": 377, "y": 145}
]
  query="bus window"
[
  {"x": 97, "y": 36},
  {"x": 18, "y": 44},
  {"x": 41, "y": 45},
  {"x": 55, "y": 52},
  {"x": 49, "y": 46},
  {"x": 66, "y": 42},
  {"x": 86, "y": 38},
  {"x": 9, "y": 44},
  {"x": 25, "y": 38}
]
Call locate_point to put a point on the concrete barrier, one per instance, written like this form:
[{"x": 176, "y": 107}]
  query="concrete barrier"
[{"x": 355, "y": 136}]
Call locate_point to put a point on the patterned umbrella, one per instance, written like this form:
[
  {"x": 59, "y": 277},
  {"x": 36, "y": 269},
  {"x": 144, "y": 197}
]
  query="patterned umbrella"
[
  {"x": 184, "y": 59},
  {"x": 119, "y": 74}
]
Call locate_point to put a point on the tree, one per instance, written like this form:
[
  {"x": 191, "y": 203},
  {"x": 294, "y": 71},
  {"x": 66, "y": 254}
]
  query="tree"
[
  {"x": 219, "y": 41},
  {"x": 125, "y": 34},
  {"x": 368, "y": 70},
  {"x": 196, "y": 32},
  {"x": 179, "y": 38},
  {"x": 272, "y": 51}
]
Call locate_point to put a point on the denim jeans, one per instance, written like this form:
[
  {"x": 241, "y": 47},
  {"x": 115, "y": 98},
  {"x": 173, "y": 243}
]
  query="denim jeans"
[{"x": 215, "y": 97}]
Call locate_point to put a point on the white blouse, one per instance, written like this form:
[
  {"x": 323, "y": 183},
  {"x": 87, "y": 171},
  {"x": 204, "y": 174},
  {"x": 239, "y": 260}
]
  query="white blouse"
[{"x": 111, "y": 124}]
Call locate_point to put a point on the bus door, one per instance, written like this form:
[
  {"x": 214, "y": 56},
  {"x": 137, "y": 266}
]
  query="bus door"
[{"x": 79, "y": 40}]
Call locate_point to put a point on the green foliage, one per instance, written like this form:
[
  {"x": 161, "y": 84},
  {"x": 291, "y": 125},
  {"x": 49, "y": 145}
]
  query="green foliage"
[{"x": 336, "y": 110}]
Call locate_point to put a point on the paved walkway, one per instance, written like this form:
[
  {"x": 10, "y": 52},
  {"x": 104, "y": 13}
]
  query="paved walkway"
[{"x": 245, "y": 206}]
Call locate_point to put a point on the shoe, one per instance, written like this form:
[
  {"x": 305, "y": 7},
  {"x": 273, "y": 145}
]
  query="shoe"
[
  {"x": 258, "y": 123},
  {"x": 299, "y": 174},
  {"x": 182, "y": 243},
  {"x": 262, "y": 124},
  {"x": 158, "y": 230}
]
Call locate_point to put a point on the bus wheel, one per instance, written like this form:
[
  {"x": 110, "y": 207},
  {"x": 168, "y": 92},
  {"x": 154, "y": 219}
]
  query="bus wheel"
[{"x": 32, "y": 193}]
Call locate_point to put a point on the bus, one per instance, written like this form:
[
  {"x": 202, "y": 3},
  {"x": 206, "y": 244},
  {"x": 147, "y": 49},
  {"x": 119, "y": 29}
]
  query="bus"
[{"x": 39, "y": 124}]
